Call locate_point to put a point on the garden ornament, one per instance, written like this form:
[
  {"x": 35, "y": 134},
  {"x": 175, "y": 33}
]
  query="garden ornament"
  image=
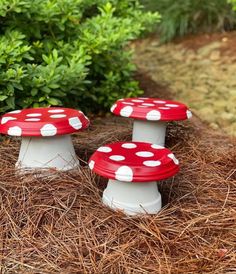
[
  {"x": 150, "y": 117},
  {"x": 46, "y": 140},
  {"x": 133, "y": 169}
]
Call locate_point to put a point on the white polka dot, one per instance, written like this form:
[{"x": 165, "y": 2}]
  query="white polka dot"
[
  {"x": 117, "y": 158},
  {"x": 157, "y": 146},
  {"x": 171, "y": 105},
  {"x": 75, "y": 122},
  {"x": 58, "y": 116},
  {"x": 15, "y": 131},
  {"x": 104, "y": 149},
  {"x": 128, "y": 103},
  {"x": 6, "y": 119},
  {"x": 126, "y": 111},
  {"x": 56, "y": 110},
  {"x": 163, "y": 108},
  {"x": 113, "y": 107},
  {"x": 48, "y": 130},
  {"x": 33, "y": 114},
  {"x": 152, "y": 163},
  {"x": 153, "y": 115},
  {"x": 122, "y": 99},
  {"x": 144, "y": 154},
  {"x": 159, "y": 102},
  {"x": 124, "y": 173},
  {"x": 144, "y": 98},
  {"x": 189, "y": 114},
  {"x": 137, "y": 101},
  {"x": 15, "y": 111},
  {"x": 149, "y": 105},
  {"x": 172, "y": 156},
  {"x": 91, "y": 164},
  {"x": 129, "y": 145},
  {"x": 32, "y": 119}
]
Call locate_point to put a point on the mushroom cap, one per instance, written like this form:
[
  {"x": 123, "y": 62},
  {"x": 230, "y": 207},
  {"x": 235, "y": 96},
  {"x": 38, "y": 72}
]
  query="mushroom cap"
[
  {"x": 134, "y": 162},
  {"x": 151, "y": 109},
  {"x": 43, "y": 122}
]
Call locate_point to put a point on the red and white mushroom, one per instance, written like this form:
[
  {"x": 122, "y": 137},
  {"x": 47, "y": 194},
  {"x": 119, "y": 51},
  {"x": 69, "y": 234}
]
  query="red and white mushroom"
[
  {"x": 133, "y": 169},
  {"x": 151, "y": 116},
  {"x": 46, "y": 140}
]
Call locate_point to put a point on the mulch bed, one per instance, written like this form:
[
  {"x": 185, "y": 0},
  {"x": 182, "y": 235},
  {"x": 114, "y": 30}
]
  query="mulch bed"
[{"x": 59, "y": 225}]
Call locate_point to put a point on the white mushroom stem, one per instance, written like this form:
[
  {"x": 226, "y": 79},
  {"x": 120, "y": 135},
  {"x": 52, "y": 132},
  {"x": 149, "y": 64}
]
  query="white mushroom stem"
[
  {"x": 47, "y": 152},
  {"x": 149, "y": 131},
  {"x": 132, "y": 198}
]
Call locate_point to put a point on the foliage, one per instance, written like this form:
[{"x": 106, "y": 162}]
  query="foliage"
[
  {"x": 69, "y": 52},
  {"x": 233, "y": 2},
  {"x": 190, "y": 16}
]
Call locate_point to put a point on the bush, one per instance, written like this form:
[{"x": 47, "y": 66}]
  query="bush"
[
  {"x": 191, "y": 16},
  {"x": 233, "y": 2},
  {"x": 69, "y": 52}
]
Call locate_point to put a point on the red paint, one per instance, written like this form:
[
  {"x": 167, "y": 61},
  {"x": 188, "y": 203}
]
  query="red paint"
[
  {"x": 164, "y": 165},
  {"x": 35, "y": 121}
]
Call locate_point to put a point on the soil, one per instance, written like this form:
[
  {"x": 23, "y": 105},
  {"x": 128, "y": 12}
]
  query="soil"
[
  {"x": 199, "y": 70},
  {"x": 58, "y": 224}
]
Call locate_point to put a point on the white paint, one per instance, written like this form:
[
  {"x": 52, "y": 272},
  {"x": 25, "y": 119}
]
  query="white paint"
[
  {"x": 14, "y": 131},
  {"x": 91, "y": 164},
  {"x": 6, "y": 119},
  {"x": 56, "y": 110},
  {"x": 33, "y": 114},
  {"x": 159, "y": 101},
  {"x": 172, "y": 156},
  {"x": 117, "y": 158},
  {"x": 132, "y": 198},
  {"x": 129, "y": 145},
  {"x": 113, "y": 107},
  {"x": 144, "y": 154},
  {"x": 15, "y": 111},
  {"x": 124, "y": 173},
  {"x": 104, "y": 149},
  {"x": 52, "y": 152},
  {"x": 155, "y": 146},
  {"x": 149, "y": 131},
  {"x": 57, "y": 116},
  {"x": 152, "y": 163},
  {"x": 32, "y": 119},
  {"x": 153, "y": 115},
  {"x": 48, "y": 130},
  {"x": 148, "y": 104},
  {"x": 126, "y": 111},
  {"x": 172, "y": 105},
  {"x": 75, "y": 123},
  {"x": 189, "y": 114},
  {"x": 137, "y": 101}
]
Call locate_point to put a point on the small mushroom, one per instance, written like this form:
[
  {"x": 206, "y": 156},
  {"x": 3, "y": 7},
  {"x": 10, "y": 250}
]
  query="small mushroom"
[
  {"x": 133, "y": 169},
  {"x": 46, "y": 140},
  {"x": 151, "y": 116}
]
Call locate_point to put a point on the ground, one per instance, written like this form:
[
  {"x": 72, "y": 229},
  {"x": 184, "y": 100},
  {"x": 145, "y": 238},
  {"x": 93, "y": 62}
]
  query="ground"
[
  {"x": 58, "y": 224},
  {"x": 199, "y": 70}
]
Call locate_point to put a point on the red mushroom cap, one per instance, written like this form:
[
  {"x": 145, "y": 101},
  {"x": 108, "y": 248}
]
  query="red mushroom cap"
[
  {"x": 43, "y": 122},
  {"x": 151, "y": 109},
  {"x": 134, "y": 162}
]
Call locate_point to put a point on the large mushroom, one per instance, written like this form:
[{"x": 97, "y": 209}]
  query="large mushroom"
[
  {"x": 133, "y": 169},
  {"x": 46, "y": 140},
  {"x": 150, "y": 116}
]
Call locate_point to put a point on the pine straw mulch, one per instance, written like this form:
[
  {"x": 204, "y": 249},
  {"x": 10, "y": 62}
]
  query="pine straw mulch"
[{"x": 59, "y": 225}]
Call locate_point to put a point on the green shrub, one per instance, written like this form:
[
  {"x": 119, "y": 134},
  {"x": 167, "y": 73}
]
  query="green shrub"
[
  {"x": 233, "y": 2},
  {"x": 191, "y": 16},
  {"x": 69, "y": 52}
]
